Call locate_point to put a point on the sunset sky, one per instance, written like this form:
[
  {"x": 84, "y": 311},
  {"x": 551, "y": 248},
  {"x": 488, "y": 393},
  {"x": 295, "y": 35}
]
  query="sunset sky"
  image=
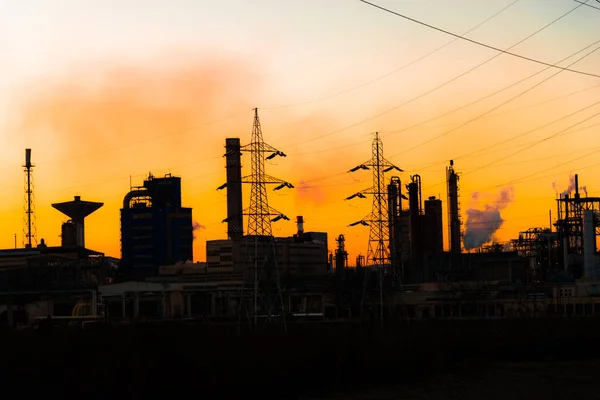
[{"x": 108, "y": 91}]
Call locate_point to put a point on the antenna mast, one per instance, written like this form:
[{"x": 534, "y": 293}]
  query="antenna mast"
[{"x": 29, "y": 230}]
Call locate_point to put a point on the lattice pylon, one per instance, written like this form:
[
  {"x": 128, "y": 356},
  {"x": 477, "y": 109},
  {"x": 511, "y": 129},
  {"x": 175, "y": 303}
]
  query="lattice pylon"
[
  {"x": 378, "y": 254},
  {"x": 29, "y": 222},
  {"x": 260, "y": 255}
]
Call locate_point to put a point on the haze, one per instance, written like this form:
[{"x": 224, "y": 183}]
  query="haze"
[{"x": 106, "y": 91}]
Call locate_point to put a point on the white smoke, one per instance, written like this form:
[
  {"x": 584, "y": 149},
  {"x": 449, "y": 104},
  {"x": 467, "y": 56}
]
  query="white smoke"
[
  {"x": 482, "y": 224},
  {"x": 571, "y": 188}
]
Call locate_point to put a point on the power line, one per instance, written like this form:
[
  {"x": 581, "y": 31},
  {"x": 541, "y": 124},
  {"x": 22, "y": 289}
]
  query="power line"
[
  {"x": 503, "y": 103},
  {"x": 524, "y": 178},
  {"x": 445, "y": 83},
  {"x": 543, "y": 102},
  {"x": 589, "y": 5},
  {"x": 529, "y": 131},
  {"x": 420, "y": 124},
  {"x": 557, "y": 173},
  {"x": 533, "y": 144},
  {"x": 478, "y": 42},
  {"x": 557, "y": 134},
  {"x": 395, "y": 70},
  {"x": 480, "y": 152}
]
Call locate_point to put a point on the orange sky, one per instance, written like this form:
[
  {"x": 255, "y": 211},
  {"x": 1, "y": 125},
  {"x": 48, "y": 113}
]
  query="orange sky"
[{"x": 98, "y": 120}]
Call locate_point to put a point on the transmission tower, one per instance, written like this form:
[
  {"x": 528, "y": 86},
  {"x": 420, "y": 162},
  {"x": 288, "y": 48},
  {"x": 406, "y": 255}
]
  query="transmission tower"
[
  {"x": 29, "y": 230},
  {"x": 378, "y": 254},
  {"x": 260, "y": 257}
]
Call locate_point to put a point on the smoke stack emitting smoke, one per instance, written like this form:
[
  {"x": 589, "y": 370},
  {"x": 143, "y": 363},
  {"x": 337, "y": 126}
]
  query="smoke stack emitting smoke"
[
  {"x": 571, "y": 188},
  {"x": 482, "y": 224}
]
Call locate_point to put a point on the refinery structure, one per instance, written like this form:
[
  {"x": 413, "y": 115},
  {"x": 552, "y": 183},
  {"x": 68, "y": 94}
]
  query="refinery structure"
[{"x": 250, "y": 277}]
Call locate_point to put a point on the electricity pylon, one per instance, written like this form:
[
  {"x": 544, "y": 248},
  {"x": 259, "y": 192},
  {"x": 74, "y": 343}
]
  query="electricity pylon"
[
  {"x": 378, "y": 254},
  {"x": 260, "y": 254}
]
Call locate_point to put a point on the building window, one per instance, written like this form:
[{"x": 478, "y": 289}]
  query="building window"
[
  {"x": 566, "y": 292},
  {"x": 226, "y": 258}
]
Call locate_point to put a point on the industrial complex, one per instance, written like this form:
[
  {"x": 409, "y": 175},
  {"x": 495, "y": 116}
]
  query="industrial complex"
[{"x": 252, "y": 277}]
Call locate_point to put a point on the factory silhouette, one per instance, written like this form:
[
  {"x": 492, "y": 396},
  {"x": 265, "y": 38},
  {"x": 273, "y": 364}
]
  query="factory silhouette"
[{"x": 252, "y": 278}]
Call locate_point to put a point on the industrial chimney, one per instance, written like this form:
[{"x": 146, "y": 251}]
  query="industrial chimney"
[
  {"x": 300, "y": 225},
  {"x": 233, "y": 157}
]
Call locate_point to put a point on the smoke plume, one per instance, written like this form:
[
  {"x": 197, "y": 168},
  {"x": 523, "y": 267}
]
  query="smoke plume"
[
  {"x": 197, "y": 226},
  {"x": 483, "y": 223},
  {"x": 307, "y": 192},
  {"x": 570, "y": 188}
]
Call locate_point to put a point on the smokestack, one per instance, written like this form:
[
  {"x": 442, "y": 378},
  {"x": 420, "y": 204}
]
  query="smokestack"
[
  {"x": 28, "y": 158},
  {"x": 233, "y": 157},
  {"x": 300, "y": 224},
  {"x": 576, "y": 186}
]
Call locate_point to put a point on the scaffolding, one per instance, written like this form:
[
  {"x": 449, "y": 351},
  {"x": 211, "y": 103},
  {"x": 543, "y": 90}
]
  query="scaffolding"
[{"x": 570, "y": 226}]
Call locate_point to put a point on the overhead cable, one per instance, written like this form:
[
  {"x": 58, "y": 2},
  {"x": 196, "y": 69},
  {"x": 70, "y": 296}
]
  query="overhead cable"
[
  {"x": 503, "y": 103},
  {"x": 395, "y": 70},
  {"x": 478, "y": 42},
  {"x": 438, "y": 86}
]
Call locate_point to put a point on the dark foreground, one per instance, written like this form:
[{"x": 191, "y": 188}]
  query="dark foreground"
[
  {"x": 502, "y": 381},
  {"x": 447, "y": 358}
]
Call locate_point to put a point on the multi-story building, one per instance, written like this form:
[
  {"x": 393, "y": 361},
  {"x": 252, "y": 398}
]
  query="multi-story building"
[{"x": 155, "y": 229}]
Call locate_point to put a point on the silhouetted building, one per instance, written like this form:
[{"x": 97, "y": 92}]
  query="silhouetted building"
[
  {"x": 434, "y": 240},
  {"x": 454, "y": 222},
  {"x": 296, "y": 256},
  {"x": 155, "y": 229},
  {"x": 73, "y": 231}
]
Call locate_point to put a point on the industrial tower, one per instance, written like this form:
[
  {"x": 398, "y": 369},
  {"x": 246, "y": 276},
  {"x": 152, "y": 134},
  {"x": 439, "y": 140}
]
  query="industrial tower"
[
  {"x": 454, "y": 222},
  {"x": 260, "y": 245},
  {"x": 378, "y": 254},
  {"x": 29, "y": 230}
]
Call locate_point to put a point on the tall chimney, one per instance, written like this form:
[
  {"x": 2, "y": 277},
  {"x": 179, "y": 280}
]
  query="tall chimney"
[
  {"x": 300, "y": 224},
  {"x": 233, "y": 157}
]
